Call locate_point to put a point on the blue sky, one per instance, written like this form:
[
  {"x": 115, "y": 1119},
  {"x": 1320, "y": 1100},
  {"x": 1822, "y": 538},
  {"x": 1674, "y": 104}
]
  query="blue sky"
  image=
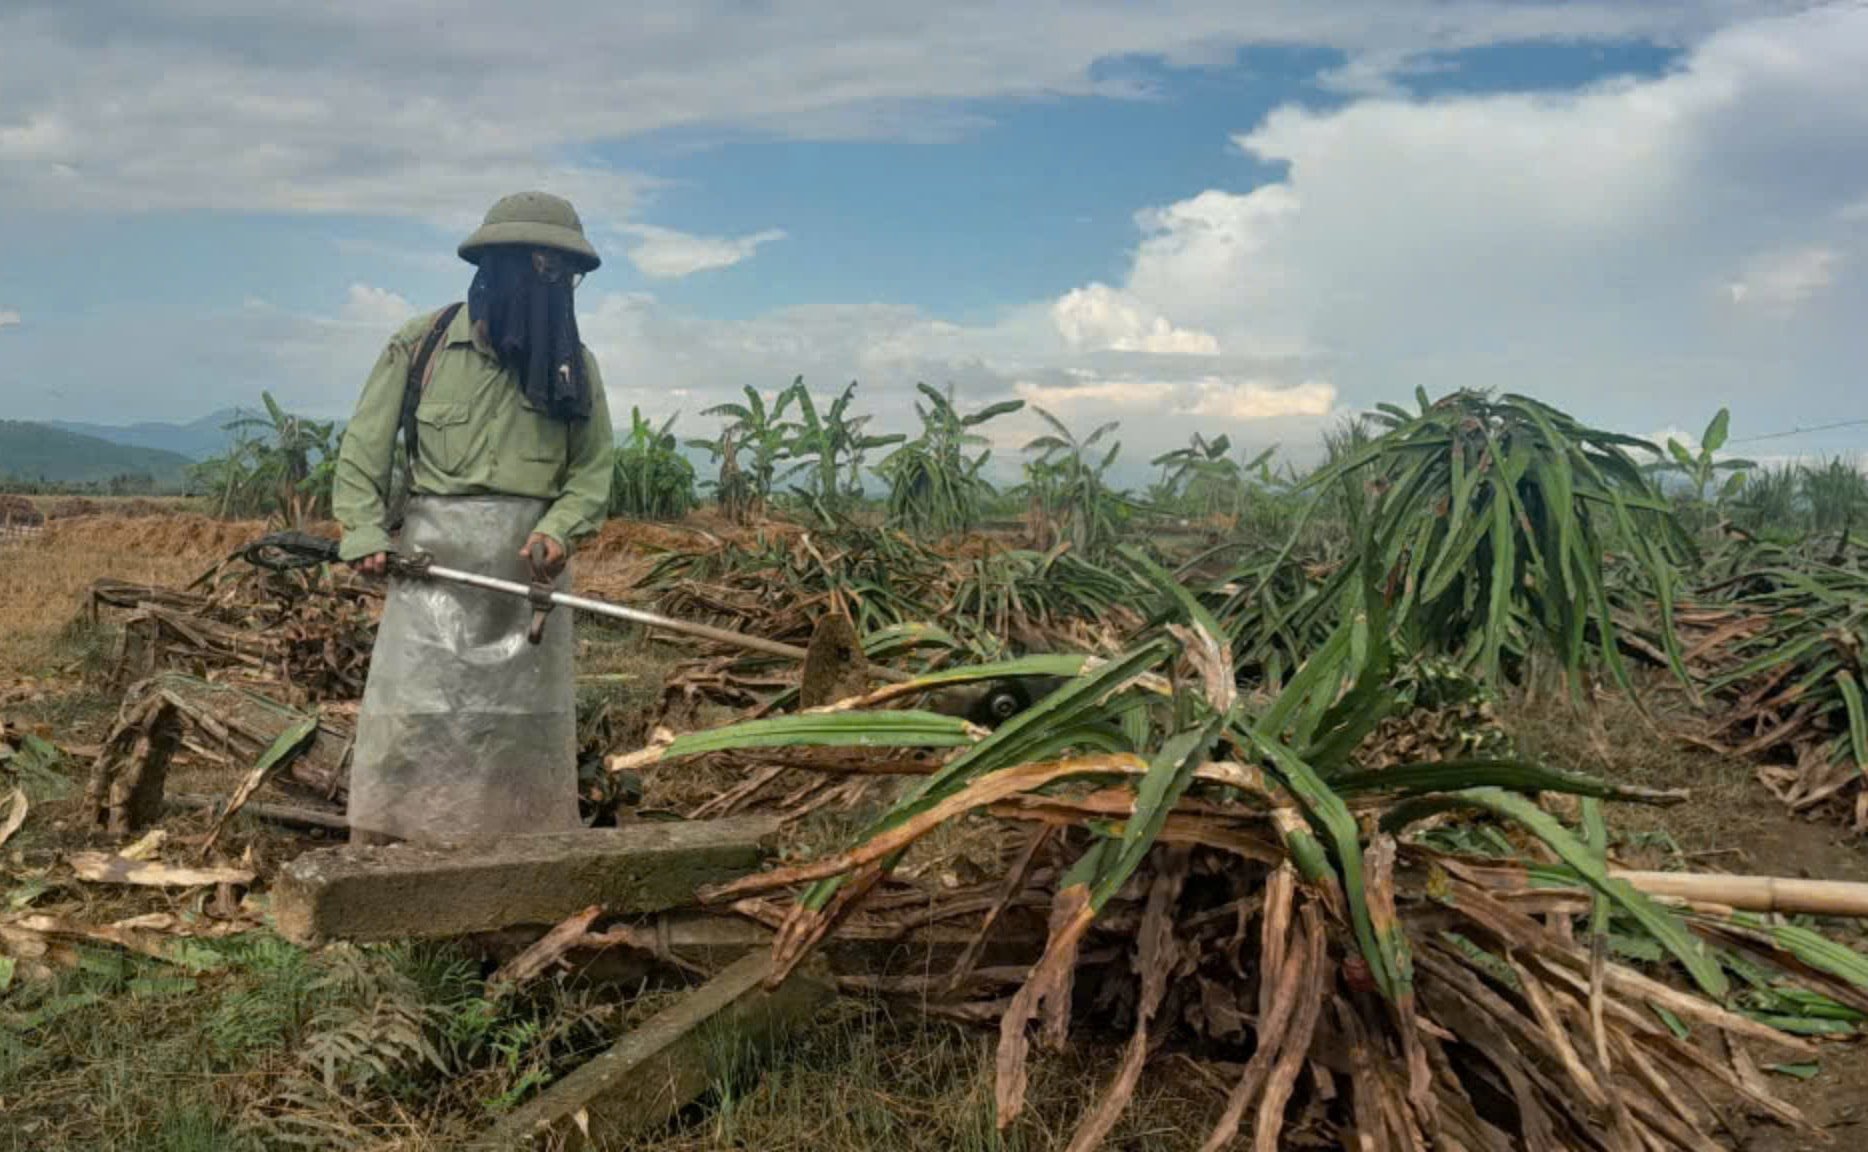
[{"x": 1244, "y": 217}]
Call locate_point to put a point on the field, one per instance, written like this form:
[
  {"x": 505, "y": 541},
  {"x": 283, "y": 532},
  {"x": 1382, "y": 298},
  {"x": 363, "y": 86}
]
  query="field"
[{"x": 1323, "y": 821}]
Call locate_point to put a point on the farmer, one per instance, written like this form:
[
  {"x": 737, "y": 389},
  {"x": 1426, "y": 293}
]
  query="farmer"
[{"x": 467, "y": 729}]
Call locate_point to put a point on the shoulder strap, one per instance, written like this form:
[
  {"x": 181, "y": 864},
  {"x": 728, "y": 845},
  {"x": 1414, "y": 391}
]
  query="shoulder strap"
[
  {"x": 412, "y": 386},
  {"x": 417, "y": 380}
]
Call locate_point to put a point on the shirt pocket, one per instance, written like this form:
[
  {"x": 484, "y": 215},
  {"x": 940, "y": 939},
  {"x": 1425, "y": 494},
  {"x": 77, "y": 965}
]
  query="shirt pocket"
[
  {"x": 541, "y": 447},
  {"x": 445, "y": 436}
]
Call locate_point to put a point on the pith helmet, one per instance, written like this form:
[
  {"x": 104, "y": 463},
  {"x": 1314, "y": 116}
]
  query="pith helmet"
[{"x": 534, "y": 219}]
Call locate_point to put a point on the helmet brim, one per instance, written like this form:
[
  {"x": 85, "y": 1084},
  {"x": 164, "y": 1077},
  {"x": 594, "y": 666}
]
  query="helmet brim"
[{"x": 530, "y": 234}]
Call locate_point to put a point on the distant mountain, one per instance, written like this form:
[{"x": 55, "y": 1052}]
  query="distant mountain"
[
  {"x": 45, "y": 454},
  {"x": 197, "y": 439}
]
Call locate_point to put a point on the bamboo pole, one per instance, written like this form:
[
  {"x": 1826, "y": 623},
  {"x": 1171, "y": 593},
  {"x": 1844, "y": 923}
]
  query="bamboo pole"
[{"x": 1785, "y": 894}]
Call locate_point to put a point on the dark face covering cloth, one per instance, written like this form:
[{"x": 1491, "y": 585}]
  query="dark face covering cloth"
[{"x": 532, "y": 326}]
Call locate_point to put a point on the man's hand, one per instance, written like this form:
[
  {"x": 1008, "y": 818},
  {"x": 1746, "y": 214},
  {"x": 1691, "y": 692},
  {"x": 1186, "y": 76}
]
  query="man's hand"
[
  {"x": 373, "y": 565},
  {"x": 552, "y": 553}
]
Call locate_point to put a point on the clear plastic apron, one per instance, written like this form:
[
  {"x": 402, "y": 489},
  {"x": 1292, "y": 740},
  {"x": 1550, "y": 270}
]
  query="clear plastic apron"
[{"x": 467, "y": 732}]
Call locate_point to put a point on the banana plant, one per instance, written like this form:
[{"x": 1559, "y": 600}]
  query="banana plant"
[
  {"x": 1834, "y": 494},
  {"x": 829, "y": 449},
  {"x": 1204, "y": 479},
  {"x": 1702, "y": 468},
  {"x": 937, "y": 483},
  {"x": 278, "y": 463},
  {"x": 762, "y": 434},
  {"x": 1070, "y": 499}
]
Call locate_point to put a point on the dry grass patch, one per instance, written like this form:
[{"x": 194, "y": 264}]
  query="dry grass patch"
[{"x": 45, "y": 579}]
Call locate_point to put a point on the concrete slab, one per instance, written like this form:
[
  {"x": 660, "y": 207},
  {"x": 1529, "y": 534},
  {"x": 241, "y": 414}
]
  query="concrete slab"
[
  {"x": 667, "y": 1062},
  {"x": 399, "y": 891}
]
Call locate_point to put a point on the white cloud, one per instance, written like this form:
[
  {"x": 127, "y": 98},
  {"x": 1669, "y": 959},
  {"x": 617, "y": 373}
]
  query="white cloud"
[
  {"x": 1785, "y": 279},
  {"x": 1097, "y": 316},
  {"x": 1217, "y": 242},
  {"x": 1122, "y": 395},
  {"x": 1582, "y": 246},
  {"x": 9, "y": 318},
  {"x": 366, "y": 304},
  {"x": 1252, "y": 400},
  {"x": 380, "y": 109},
  {"x": 665, "y": 254},
  {"x": 1229, "y": 401}
]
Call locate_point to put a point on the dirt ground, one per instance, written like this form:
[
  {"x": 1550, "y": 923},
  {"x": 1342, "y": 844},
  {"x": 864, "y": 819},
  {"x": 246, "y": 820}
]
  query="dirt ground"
[
  {"x": 867, "y": 1077},
  {"x": 1730, "y": 824}
]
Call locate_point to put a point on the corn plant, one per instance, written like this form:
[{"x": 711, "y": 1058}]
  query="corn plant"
[
  {"x": 937, "y": 486},
  {"x": 1768, "y": 502},
  {"x": 651, "y": 479}
]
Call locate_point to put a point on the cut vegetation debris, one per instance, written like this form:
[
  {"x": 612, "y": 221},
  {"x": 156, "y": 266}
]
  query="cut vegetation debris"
[{"x": 1204, "y": 785}]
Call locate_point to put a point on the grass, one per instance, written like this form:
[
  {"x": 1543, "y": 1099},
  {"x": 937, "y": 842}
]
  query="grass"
[
  {"x": 871, "y": 1077},
  {"x": 263, "y": 1044},
  {"x": 125, "y": 1054}
]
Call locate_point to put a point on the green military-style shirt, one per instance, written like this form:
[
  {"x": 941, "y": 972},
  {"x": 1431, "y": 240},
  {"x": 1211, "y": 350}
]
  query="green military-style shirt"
[{"x": 475, "y": 435}]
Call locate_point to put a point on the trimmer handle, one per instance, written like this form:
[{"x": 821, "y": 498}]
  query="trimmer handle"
[
  {"x": 287, "y": 551},
  {"x": 543, "y": 585}
]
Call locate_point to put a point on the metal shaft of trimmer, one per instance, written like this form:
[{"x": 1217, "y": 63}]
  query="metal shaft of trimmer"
[{"x": 428, "y": 571}]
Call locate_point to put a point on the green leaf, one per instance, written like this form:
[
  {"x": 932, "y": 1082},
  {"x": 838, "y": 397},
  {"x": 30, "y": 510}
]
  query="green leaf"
[
  {"x": 1024, "y": 666},
  {"x": 1596, "y": 837},
  {"x": 1813, "y": 949},
  {"x": 1161, "y": 786},
  {"x": 287, "y": 745},
  {"x": 1796, "y": 1071},
  {"x": 161, "y": 987},
  {"x": 1325, "y": 811},
  {"x": 991, "y": 412},
  {"x": 1659, "y": 923},
  {"x": 1672, "y": 1022},
  {"x": 1070, "y": 709},
  {"x": 195, "y": 956},
  {"x": 1452, "y": 775},
  {"x": 1804, "y": 1025},
  {"x": 1714, "y": 439},
  {"x": 1858, "y": 718},
  {"x": 905, "y": 729},
  {"x": 1734, "y": 484}
]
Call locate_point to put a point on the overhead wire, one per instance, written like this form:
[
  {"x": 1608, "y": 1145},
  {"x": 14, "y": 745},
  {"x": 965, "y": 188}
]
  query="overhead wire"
[{"x": 1799, "y": 431}]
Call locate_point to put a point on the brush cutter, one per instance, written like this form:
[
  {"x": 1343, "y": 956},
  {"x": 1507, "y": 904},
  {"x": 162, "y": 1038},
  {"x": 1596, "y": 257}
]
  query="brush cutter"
[
  {"x": 285, "y": 551},
  {"x": 835, "y": 656}
]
